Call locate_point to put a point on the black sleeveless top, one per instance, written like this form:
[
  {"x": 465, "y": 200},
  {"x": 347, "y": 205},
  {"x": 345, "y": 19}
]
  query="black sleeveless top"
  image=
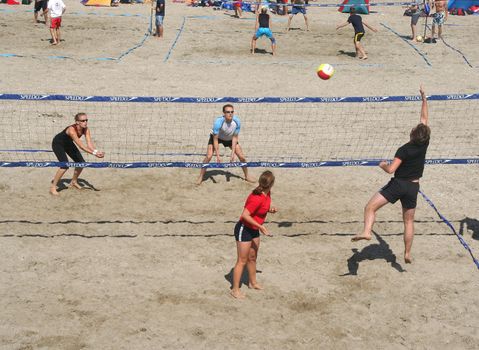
[
  {"x": 263, "y": 20},
  {"x": 63, "y": 138}
]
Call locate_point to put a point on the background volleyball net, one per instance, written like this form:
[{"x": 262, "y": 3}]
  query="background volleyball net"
[{"x": 275, "y": 131}]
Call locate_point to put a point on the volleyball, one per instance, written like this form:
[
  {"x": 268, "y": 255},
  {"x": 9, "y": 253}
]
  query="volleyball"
[
  {"x": 419, "y": 38},
  {"x": 325, "y": 71}
]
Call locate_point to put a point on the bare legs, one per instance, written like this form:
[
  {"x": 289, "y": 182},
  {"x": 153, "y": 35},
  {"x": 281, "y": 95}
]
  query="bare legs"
[
  {"x": 375, "y": 203},
  {"x": 360, "y": 52},
  {"x": 247, "y": 254},
  {"x": 253, "y": 45},
  {"x": 305, "y": 21},
  {"x": 54, "y": 33},
  {"x": 414, "y": 33},
  {"x": 408, "y": 218},
  {"x": 74, "y": 182},
  {"x": 159, "y": 31},
  {"x": 59, "y": 174},
  {"x": 433, "y": 31},
  {"x": 239, "y": 153}
]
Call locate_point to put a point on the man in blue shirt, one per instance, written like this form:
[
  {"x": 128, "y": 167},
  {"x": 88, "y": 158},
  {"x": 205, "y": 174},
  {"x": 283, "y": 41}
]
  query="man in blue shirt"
[{"x": 225, "y": 131}]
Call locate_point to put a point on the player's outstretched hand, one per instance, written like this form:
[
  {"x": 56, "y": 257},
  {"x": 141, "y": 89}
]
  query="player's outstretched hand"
[
  {"x": 422, "y": 92},
  {"x": 273, "y": 210}
]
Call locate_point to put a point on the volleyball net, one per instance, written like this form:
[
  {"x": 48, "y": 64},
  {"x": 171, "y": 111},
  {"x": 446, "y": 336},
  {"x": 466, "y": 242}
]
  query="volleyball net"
[{"x": 146, "y": 132}]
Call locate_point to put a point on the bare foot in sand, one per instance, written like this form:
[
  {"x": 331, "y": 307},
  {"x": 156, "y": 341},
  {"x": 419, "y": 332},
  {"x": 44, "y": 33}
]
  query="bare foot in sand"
[
  {"x": 363, "y": 58},
  {"x": 54, "y": 192},
  {"x": 75, "y": 185},
  {"x": 250, "y": 179},
  {"x": 237, "y": 294},
  {"x": 255, "y": 286},
  {"x": 361, "y": 237},
  {"x": 407, "y": 259}
]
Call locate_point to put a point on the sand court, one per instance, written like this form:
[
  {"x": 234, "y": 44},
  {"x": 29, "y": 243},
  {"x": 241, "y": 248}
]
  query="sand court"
[{"x": 142, "y": 258}]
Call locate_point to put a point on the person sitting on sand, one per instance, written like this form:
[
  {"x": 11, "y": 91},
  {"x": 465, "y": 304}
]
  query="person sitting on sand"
[{"x": 408, "y": 167}]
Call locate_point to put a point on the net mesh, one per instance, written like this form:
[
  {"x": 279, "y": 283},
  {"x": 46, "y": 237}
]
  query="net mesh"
[{"x": 270, "y": 132}]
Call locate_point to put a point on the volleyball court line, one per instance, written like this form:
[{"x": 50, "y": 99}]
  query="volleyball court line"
[
  {"x": 454, "y": 49},
  {"x": 448, "y": 223},
  {"x": 407, "y": 42}
]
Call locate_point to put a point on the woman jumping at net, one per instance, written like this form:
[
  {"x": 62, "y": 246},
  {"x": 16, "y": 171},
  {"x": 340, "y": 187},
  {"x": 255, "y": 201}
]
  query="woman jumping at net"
[
  {"x": 63, "y": 144},
  {"x": 408, "y": 167},
  {"x": 250, "y": 224}
]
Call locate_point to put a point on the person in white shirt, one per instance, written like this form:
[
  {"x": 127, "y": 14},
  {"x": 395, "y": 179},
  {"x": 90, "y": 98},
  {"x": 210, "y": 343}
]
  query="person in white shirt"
[{"x": 56, "y": 9}]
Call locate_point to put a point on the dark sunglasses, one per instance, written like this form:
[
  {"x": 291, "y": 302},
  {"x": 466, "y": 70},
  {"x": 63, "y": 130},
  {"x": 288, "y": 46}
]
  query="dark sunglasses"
[
  {"x": 229, "y": 112},
  {"x": 83, "y": 120}
]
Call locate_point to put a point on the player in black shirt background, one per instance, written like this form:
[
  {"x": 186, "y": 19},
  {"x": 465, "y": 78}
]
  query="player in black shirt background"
[{"x": 359, "y": 31}]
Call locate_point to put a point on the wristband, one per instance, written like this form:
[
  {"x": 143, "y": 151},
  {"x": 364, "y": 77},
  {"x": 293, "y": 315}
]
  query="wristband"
[{"x": 95, "y": 151}]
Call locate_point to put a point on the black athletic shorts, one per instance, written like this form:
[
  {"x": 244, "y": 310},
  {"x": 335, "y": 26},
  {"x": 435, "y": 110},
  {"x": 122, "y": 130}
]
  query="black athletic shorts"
[
  {"x": 61, "y": 150},
  {"x": 245, "y": 234},
  {"x": 358, "y": 37},
  {"x": 220, "y": 141},
  {"x": 404, "y": 190},
  {"x": 41, "y": 5}
]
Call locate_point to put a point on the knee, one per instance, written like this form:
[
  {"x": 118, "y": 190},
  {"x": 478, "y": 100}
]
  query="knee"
[
  {"x": 369, "y": 208},
  {"x": 242, "y": 261},
  {"x": 252, "y": 256}
]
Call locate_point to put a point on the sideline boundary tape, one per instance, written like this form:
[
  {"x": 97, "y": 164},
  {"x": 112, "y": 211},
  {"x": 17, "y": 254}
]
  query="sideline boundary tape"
[
  {"x": 407, "y": 42},
  {"x": 448, "y": 223}
]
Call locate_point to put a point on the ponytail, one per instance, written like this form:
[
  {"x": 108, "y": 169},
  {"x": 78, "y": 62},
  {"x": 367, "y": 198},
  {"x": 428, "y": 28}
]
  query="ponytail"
[{"x": 266, "y": 181}]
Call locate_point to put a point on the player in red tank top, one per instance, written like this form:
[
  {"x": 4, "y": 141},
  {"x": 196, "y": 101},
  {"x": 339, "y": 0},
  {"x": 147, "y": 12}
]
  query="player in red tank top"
[{"x": 247, "y": 230}]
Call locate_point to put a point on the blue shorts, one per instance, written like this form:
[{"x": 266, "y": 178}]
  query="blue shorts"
[
  {"x": 159, "y": 20},
  {"x": 245, "y": 234},
  {"x": 264, "y": 31},
  {"x": 297, "y": 10}
]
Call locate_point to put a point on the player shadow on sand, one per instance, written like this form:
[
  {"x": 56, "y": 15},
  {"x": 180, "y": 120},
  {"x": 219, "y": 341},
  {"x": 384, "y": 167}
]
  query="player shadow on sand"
[
  {"x": 244, "y": 278},
  {"x": 347, "y": 53},
  {"x": 471, "y": 224},
  {"x": 64, "y": 184},
  {"x": 210, "y": 175},
  {"x": 262, "y": 51},
  {"x": 372, "y": 252}
]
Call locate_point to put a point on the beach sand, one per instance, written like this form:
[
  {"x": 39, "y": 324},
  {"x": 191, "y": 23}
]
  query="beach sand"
[{"x": 143, "y": 259}]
